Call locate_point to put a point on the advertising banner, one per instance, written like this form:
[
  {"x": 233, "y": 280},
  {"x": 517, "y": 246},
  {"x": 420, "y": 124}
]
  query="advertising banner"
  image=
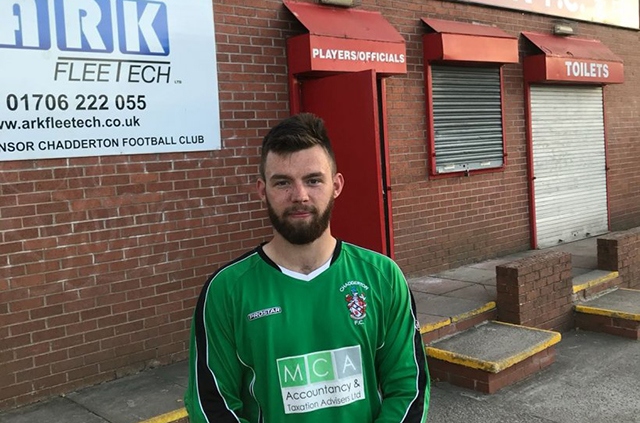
[
  {"x": 624, "y": 13},
  {"x": 107, "y": 77}
]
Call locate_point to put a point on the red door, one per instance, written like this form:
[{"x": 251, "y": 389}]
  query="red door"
[{"x": 348, "y": 103}]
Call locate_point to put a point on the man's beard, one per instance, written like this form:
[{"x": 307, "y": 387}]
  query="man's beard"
[{"x": 301, "y": 233}]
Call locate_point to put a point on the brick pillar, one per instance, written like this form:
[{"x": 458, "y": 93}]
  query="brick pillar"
[
  {"x": 620, "y": 252},
  {"x": 536, "y": 291}
]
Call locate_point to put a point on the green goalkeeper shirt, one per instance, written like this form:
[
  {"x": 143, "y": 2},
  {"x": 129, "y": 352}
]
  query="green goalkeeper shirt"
[{"x": 344, "y": 346}]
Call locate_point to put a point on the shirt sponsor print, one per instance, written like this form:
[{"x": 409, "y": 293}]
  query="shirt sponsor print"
[{"x": 322, "y": 379}]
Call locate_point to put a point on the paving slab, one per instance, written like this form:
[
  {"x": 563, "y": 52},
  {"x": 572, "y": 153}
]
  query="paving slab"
[
  {"x": 132, "y": 398},
  {"x": 58, "y": 409},
  {"x": 437, "y": 305},
  {"x": 592, "y": 277},
  {"x": 468, "y": 274},
  {"x": 491, "y": 264},
  {"x": 624, "y": 303},
  {"x": 583, "y": 247},
  {"x": 177, "y": 373},
  {"x": 579, "y": 271},
  {"x": 584, "y": 261},
  {"x": 479, "y": 292},
  {"x": 436, "y": 286}
]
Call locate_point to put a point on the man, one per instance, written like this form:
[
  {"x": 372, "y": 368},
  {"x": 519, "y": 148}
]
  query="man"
[{"x": 305, "y": 328}]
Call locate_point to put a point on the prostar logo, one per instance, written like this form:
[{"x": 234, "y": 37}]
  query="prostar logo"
[{"x": 263, "y": 313}]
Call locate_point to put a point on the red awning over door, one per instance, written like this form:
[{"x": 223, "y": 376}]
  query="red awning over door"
[
  {"x": 466, "y": 42},
  {"x": 344, "y": 40},
  {"x": 570, "y": 59}
]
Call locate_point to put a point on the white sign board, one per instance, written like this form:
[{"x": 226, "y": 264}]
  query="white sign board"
[
  {"x": 107, "y": 77},
  {"x": 623, "y": 13}
]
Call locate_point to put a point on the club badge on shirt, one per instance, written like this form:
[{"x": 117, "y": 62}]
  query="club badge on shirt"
[
  {"x": 356, "y": 300},
  {"x": 357, "y": 304}
]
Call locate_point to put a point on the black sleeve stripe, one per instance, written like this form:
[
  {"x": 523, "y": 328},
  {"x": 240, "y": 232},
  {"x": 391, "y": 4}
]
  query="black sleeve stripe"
[
  {"x": 416, "y": 410},
  {"x": 210, "y": 399}
]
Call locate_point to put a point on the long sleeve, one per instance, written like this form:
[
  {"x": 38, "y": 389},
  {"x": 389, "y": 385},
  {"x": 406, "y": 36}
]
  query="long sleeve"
[
  {"x": 215, "y": 373},
  {"x": 401, "y": 362}
]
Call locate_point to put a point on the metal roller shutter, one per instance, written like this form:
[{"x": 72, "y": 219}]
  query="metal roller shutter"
[
  {"x": 467, "y": 118},
  {"x": 570, "y": 185}
]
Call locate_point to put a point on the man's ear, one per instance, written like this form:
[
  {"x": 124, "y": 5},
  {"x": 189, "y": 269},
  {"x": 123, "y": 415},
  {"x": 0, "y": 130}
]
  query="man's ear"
[
  {"x": 338, "y": 184},
  {"x": 261, "y": 188}
]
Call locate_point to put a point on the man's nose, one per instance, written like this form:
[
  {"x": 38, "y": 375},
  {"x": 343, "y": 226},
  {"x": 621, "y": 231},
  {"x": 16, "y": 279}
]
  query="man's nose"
[{"x": 299, "y": 192}]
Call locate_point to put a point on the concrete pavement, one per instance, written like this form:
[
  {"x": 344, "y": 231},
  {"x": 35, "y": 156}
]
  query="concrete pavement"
[
  {"x": 594, "y": 379},
  {"x": 150, "y": 396}
]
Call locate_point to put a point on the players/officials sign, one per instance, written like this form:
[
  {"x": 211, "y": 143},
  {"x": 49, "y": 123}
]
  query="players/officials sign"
[{"x": 107, "y": 77}]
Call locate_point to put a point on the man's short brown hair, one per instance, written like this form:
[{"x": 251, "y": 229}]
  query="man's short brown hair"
[{"x": 294, "y": 134}]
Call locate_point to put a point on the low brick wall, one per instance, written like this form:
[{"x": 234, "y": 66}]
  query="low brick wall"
[
  {"x": 536, "y": 291},
  {"x": 487, "y": 382},
  {"x": 620, "y": 251},
  {"x": 609, "y": 324}
]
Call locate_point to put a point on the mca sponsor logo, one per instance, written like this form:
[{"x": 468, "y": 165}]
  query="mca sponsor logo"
[
  {"x": 321, "y": 379},
  {"x": 136, "y": 27}
]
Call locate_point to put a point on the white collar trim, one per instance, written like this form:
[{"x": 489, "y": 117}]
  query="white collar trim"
[{"x": 302, "y": 276}]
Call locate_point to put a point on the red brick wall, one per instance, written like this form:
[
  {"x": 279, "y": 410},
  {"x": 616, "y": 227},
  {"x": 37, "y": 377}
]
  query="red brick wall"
[
  {"x": 621, "y": 252},
  {"x": 536, "y": 291},
  {"x": 102, "y": 257},
  {"x": 448, "y": 222},
  {"x": 443, "y": 223}
]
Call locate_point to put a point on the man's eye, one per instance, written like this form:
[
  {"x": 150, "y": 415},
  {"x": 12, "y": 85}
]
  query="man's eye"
[
  {"x": 314, "y": 181},
  {"x": 281, "y": 183}
]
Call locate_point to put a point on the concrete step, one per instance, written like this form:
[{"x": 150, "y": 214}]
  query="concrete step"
[
  {"x": 590, "y": 284},
  {"x": 491, "y": 355},
  {"x": 460, "y": 319},
  {"x": 616, "y": 313}
]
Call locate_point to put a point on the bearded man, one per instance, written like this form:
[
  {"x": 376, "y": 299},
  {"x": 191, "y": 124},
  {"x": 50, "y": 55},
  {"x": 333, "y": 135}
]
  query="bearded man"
[{"x": 305, "y": 328}]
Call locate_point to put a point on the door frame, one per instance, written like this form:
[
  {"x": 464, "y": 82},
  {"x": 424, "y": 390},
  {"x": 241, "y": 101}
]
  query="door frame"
[{"x": 295, "y": 107}]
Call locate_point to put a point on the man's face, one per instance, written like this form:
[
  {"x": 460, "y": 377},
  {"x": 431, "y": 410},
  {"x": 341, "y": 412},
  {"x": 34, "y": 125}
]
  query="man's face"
[{"x": 300, "y": 190}]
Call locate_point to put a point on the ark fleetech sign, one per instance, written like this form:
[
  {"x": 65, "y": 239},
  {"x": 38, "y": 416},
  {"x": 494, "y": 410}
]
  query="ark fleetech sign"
[{"x": 107, "y": 77}]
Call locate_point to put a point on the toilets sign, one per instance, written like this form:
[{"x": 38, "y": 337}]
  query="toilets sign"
[{"x": 107, "y": 77}]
